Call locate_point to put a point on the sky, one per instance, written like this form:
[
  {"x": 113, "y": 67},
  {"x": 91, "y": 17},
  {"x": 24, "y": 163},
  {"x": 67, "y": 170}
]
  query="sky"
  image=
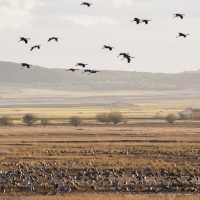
[{"x": 82, "y": 32}]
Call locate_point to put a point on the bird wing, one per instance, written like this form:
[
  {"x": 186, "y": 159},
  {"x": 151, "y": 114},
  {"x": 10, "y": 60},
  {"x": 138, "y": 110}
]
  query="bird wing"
[
  {"x": 32, "y": 48},
  {"x": 25, "y": 40},
  {"x": 128, "y": 59},
  {"x": 181, "y": 16},
  {"x": 38, "y": 47}
]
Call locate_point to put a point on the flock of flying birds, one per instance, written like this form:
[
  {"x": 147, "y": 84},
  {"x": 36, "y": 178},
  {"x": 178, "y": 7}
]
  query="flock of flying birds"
[{"x": 124, "y": 55}]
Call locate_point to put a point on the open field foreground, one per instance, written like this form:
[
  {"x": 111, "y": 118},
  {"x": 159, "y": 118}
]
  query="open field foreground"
[
  {"x": 100, "y": 159},
  {"x": 108, "y": 197}
]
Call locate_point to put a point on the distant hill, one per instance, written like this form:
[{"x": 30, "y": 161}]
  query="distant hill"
[{"x": 11, "y": 75}]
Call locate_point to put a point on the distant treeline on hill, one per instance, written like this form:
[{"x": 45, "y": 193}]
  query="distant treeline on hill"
[{"x": 105, "y": 80}]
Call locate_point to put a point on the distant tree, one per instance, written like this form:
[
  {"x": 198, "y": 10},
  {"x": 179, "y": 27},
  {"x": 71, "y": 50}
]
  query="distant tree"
[
  {"x": 29, "y": 119},
  {"x": 102, "y": 117},
  {"x": 157, "y": 115},
  {"x": 45, "y": 121},
  {"x": 6, "y": 120},
  {"x": 115, "y": 117},
  {"x": 171, "y": 118},
  {"x": 125, "y": 120},
  {"x": 75, "y": 120}
]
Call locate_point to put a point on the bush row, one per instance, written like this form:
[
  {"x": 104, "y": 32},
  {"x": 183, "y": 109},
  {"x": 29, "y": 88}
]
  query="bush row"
[{"x": 114, "y": 117}]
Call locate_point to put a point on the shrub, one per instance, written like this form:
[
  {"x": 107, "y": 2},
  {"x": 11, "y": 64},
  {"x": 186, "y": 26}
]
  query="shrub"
[
  {"x": 45, "y": 121},
  {"x": 170, "y": 118},
  {"x": 6, "y": 120},
  {"x": 115, "y": 117},
  {"x": 125, "y": 120},
  {"x": 75, "y": 120},
  {"x": 29, "y": 119},
  {"x": 102, "y": 117}
]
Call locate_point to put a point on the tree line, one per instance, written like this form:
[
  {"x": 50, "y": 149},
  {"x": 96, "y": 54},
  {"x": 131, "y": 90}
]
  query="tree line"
[{"x": 114, "y": 117}]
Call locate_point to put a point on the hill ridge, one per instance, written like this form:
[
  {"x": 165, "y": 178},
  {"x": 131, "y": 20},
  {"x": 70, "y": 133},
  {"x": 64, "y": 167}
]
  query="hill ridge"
[{"x": 105, "y": 80}]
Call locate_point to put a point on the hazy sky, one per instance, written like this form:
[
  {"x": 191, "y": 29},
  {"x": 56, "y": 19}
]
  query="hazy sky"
[{"x": 82, "y": 32}]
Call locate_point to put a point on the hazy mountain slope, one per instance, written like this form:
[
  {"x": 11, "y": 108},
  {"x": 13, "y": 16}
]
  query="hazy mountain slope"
[{"x": 105, "y": 80}]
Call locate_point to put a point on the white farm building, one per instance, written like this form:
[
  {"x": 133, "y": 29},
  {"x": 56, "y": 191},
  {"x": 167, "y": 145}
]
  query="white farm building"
[{"x": 190, "y": 113}]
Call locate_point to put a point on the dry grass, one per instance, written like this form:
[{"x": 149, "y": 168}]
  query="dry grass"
[
  {"x": 144, "y": 132},
  {"x": 170, "y": 147},
  {"x": 104, "y": 147},
  {"x": 108, "y": 197}
]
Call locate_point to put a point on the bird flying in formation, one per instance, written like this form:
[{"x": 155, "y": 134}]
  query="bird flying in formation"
[
  {"x": 24, "y": 39},
  {"x": 179, "y": 15},
  {"x": 127, "y": 56},
  {"x": 93, "y": 72},
  {"x": 71, "y": 69},
  {"x": 36, "y": 46},
  {"x": 123, "y": 54},
  {"x": 53, "y": 38},
  {"x": 25, "y": 65},
  {"x": 87, "y": 70},
  {"x": 86, "y": 4},
  {"x": 137, "y": 20},
  {"x": 182, "y": 34},
  {"x": 81, "y": 64},
  {"x": 108, "y": 47},
  {"x": 146, "y": 21}
]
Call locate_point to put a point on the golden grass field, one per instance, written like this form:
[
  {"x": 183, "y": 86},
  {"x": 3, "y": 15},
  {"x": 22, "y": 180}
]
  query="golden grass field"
[
  {"x": 63, "y": 104},
  {"x": 61, "y": 115},
  {"x": 157, "y": 146},
  {"x": 139, "y": 144},
  {"x": 109, "y": 197}
]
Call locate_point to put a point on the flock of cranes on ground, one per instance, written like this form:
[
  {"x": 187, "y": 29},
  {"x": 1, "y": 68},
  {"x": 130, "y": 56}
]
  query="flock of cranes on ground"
[{"x": 125, "y": 55}]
